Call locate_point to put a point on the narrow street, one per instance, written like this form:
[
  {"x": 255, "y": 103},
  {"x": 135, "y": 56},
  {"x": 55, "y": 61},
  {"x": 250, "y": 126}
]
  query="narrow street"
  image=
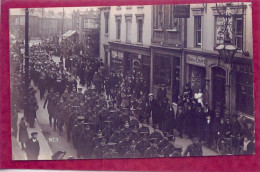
[{"x": 60, "y": 143}]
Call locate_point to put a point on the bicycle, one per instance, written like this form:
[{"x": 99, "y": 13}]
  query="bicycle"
[{"x": 225, "y": 145}]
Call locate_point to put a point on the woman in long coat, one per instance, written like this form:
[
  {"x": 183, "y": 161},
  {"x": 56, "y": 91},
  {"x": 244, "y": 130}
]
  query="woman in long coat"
[{"x": 23, "y": 133}]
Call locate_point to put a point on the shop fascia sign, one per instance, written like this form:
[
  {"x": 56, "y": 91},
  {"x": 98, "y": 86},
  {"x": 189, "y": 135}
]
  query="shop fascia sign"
[
  {"x": 117, "y": 54},
  {"x": 181, "y": 11},
  {"x": 196, "y": 60}
]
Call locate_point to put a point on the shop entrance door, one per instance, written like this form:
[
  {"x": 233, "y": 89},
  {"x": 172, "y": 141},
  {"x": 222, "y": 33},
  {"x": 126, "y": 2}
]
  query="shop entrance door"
[{"x": 219, "y": 81}]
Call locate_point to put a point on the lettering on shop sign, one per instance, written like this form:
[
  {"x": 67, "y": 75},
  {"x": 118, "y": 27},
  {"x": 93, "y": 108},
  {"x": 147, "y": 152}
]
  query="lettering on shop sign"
[{"x": 196, "y": 60}]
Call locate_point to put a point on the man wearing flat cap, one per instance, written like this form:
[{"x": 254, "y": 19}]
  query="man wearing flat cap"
[
  {"x": 32, "y": 147},
  {"x": 101, "y": 149},
  {"x": 111, "y": 151},
  {"x": 133, "y": 153},
  {"x": 144, "y": 143},
  {"x": 152, "y": 151}
]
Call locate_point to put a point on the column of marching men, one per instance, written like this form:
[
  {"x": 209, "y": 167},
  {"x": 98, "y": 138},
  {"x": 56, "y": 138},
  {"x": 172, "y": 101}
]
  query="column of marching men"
[{"x": 110, "y": 119}]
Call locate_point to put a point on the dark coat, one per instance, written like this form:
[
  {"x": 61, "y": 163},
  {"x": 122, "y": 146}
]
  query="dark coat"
[
  {"x": 193, "y": 150},
  {"x": 32, "y": 149},
  {"x": 23, "y": 133}
]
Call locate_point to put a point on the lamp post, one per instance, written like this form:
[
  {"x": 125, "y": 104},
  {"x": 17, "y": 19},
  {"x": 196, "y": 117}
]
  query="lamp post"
[
  {"x": 226, "y": 49},
  {"x": 22, "y": 51},
  {"x": 26, "y": 65}
]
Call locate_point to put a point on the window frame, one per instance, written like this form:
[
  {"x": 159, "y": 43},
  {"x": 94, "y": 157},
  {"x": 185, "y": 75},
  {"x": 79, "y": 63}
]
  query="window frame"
[
  {"x": 140, "y": 30},
  {"x": 118, "y": 20},
  {"x": 106, "y": 16},
  {"x": 128, "y": 20},
  {"x": 235, "y": 35},
  {"x": 196, "y": 30}
]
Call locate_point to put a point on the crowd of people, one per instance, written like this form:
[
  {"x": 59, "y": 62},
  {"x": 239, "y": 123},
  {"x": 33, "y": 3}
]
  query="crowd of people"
[{"x": 111, "y": 118}]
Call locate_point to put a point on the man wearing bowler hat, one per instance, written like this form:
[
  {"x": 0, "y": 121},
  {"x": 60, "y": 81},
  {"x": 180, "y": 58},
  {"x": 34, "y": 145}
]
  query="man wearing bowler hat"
[{"x": 32, "y": 147}]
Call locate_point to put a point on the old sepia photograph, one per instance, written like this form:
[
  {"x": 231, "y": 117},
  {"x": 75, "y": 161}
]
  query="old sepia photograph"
[{"x": 148, "y": 81}]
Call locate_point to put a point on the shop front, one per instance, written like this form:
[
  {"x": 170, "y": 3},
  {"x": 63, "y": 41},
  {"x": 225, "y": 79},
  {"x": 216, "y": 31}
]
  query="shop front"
[
  {"x": 226, "y": 87},
  {"x": 196, "y": 67},
  {"x": 166, "y": 67},
  {"x": 117, "y": 61},
  {"x": 211, "y": 77},
  {"x": 243, "y": 102},
  {"x": 130, "y": 59}
]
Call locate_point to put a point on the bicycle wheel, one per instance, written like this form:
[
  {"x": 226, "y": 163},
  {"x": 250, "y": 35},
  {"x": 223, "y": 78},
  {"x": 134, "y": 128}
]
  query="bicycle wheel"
[{"x": 222, "y": 146}]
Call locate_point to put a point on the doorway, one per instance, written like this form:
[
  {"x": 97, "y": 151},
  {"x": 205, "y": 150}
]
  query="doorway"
[{"x": 219, "y": 82}]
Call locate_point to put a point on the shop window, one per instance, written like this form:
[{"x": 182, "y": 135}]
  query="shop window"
[
  {"x": 198, "y": 30},
  {"x": 245, "y": 96},
  {"x": 167, "y": 72}
]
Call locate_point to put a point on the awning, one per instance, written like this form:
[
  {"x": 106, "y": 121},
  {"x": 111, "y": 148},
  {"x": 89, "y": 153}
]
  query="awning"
[{"x": 69, "y": 33}]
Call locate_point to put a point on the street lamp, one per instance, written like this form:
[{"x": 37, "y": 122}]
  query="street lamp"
[{"x": 227, "y": 50}]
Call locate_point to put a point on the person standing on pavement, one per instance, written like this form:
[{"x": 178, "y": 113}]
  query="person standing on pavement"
[
  {"x": 33, "y": 147},
  {"x": 23, "y": 133},
  {"x": 50, "y": 105}
]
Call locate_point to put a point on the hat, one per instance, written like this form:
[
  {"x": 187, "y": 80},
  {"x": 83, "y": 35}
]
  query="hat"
[
  {"x": 80, "y": 118},
  {"x": 111, "y": 145},
  {"x": 34, "y": 133},
  {"x": 144, "y": 133},
  {"x": 150, "y": 94}
]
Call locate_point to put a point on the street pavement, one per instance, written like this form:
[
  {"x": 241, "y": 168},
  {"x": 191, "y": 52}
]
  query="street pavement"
[
  {"x": 51, "y": 141},
  {"x": 45, "y": 151}
]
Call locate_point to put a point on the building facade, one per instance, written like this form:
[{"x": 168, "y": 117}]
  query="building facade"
[
  {"x": 168, "y": 41},
  {"x": 224, "y": 86},
  {"x": 129, "y": 38},
  {"x": 86, "y": 23},
  {"x": 104, "y": 51},
  {"x": 17, "y": 23},
  {"x": 175, "y": 52},
  {"x": 42, "y": 23}
]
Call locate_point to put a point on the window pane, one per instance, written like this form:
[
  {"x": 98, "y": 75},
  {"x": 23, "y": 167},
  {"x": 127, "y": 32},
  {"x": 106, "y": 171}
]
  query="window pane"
[{"x": 198, "y": 37}]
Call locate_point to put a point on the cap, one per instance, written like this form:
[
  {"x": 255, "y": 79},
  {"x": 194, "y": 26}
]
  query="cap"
[
  {"x": 81, "y": 117},
  {"x": 111, "y": 145},
  {"x": 143, "y": 133},
  {"x": 34, "y": 133}
]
